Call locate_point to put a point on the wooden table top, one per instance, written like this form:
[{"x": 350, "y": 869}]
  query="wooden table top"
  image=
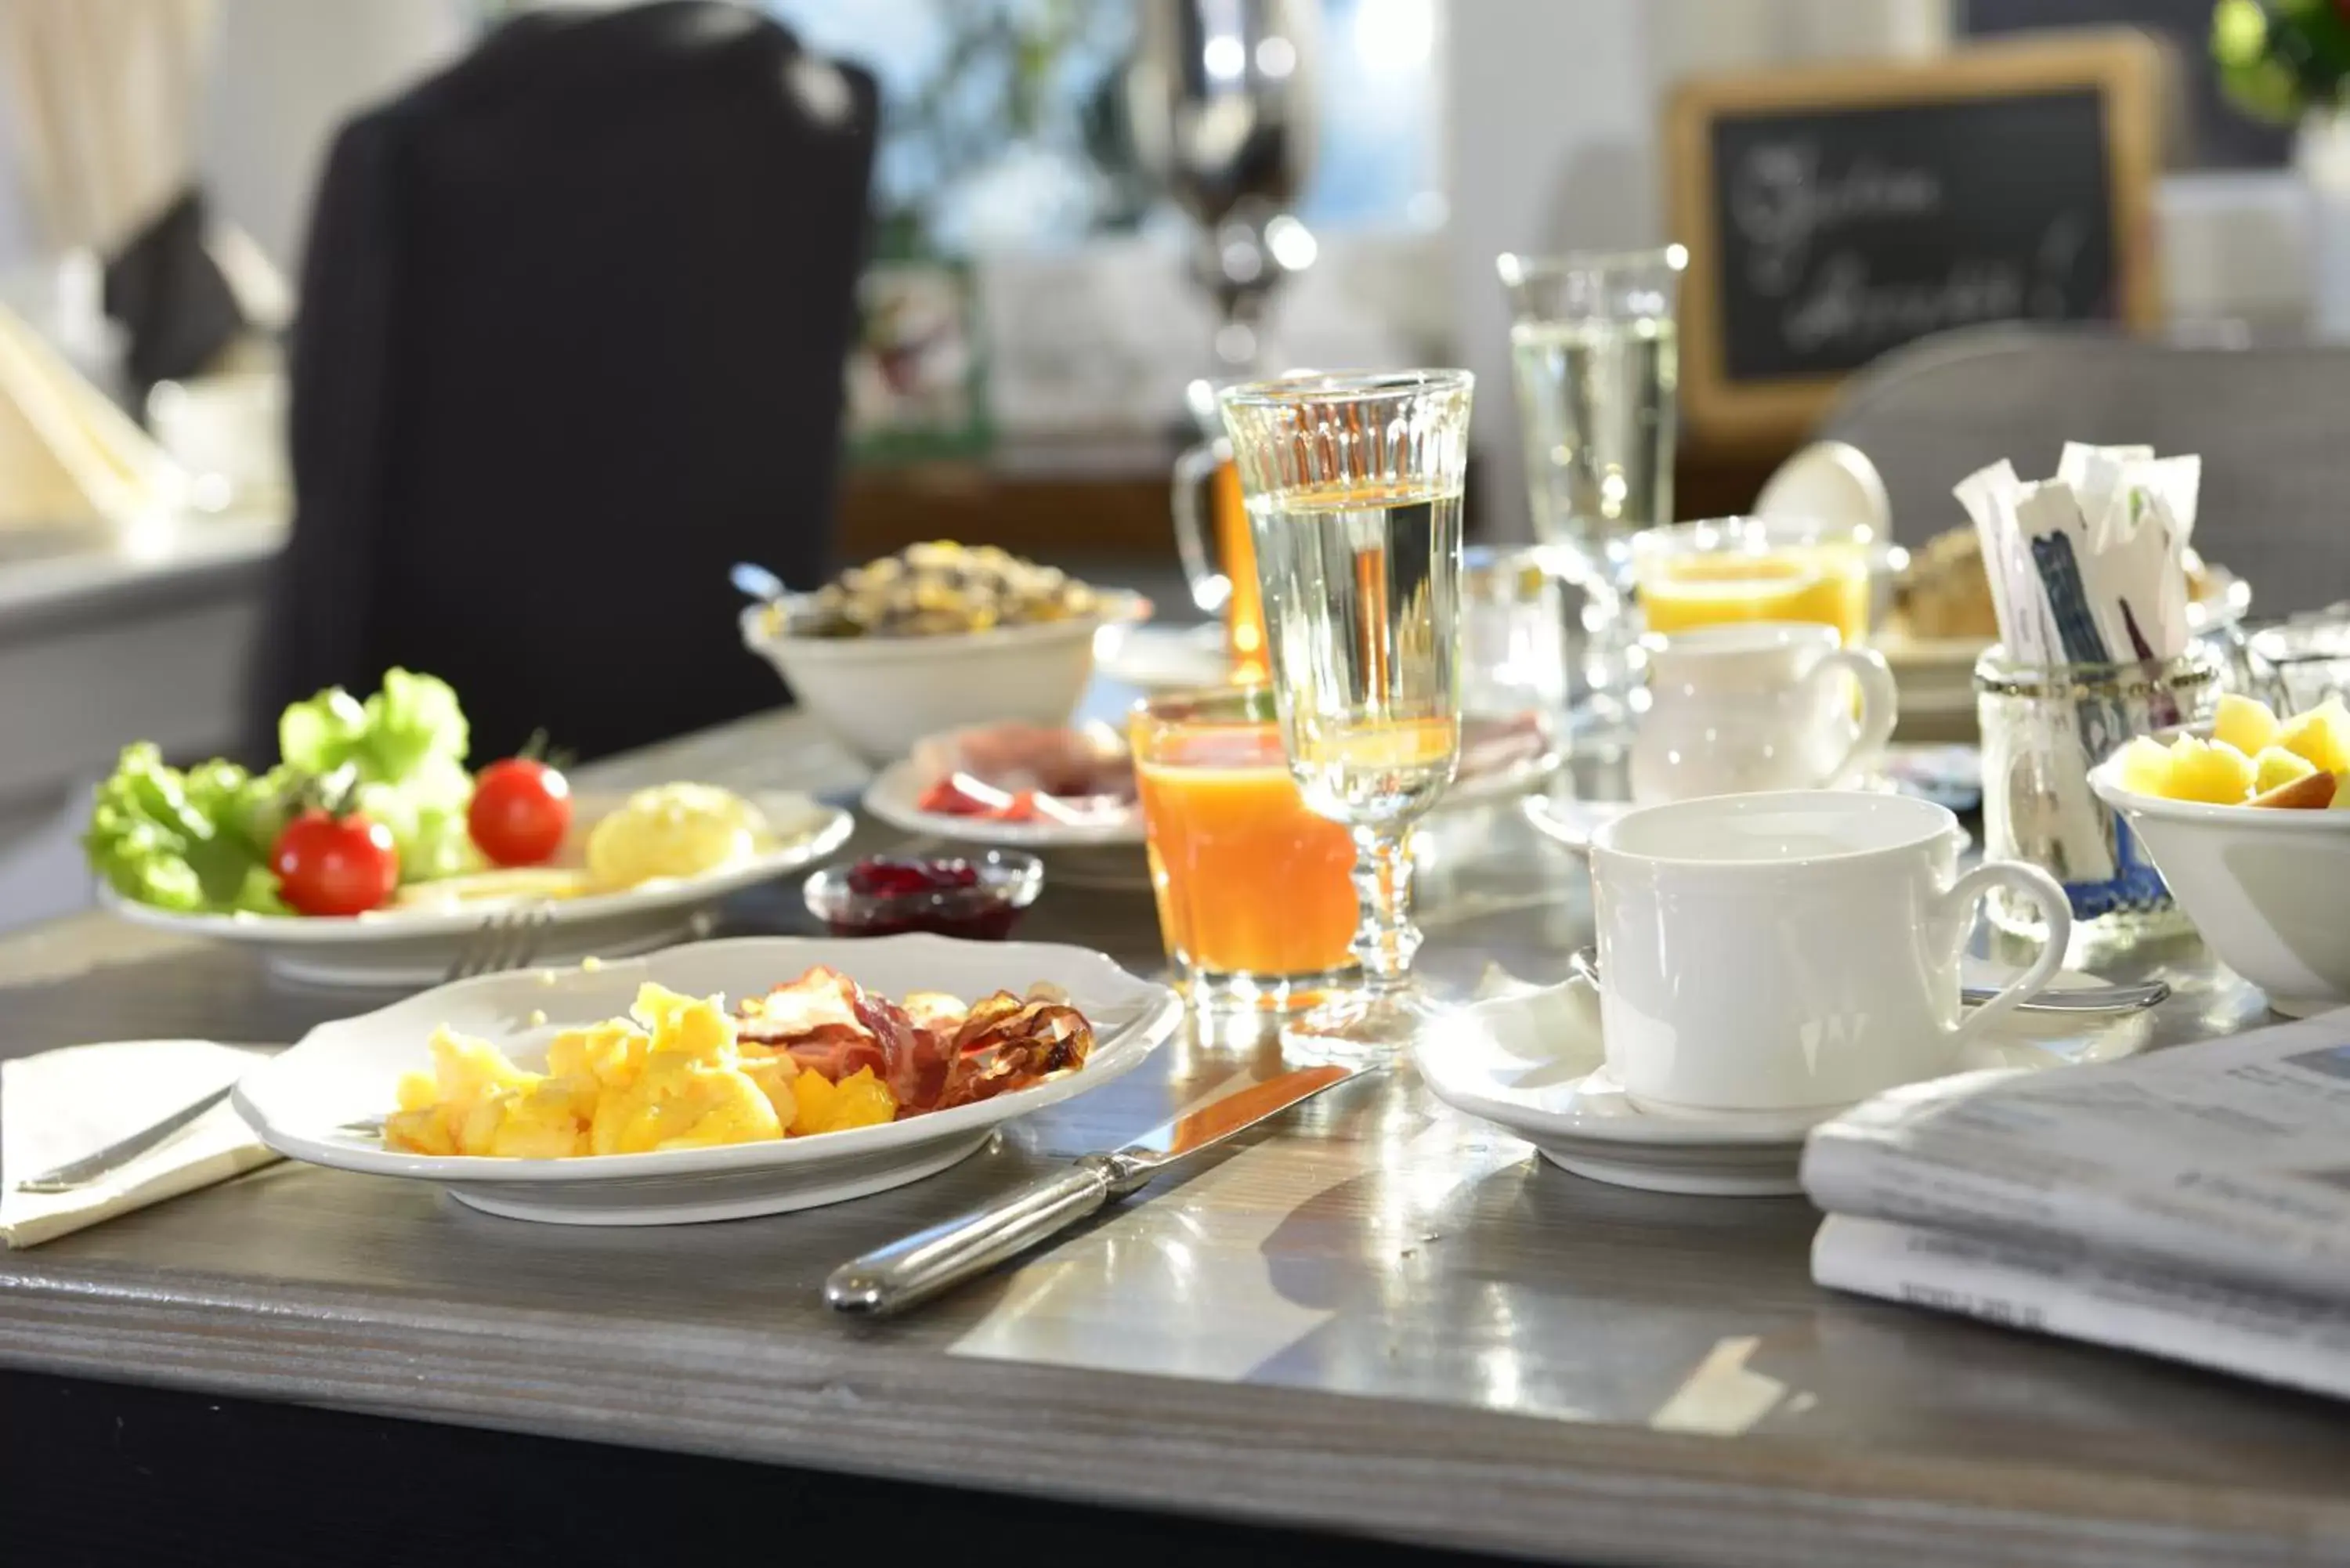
[{"x": 1374, "y": 1317}]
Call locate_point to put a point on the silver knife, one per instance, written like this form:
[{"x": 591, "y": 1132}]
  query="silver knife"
[
  {"x": 90, "y": 1168},
  {"x": 930, "y": 1261}
]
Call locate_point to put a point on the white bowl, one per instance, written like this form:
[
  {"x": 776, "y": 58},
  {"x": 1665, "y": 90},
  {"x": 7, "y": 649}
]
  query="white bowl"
[
  {"x": 2264, "y": 888},
  {"x": 302, "y": 1100},
  {"x": 881, "y": 694}
]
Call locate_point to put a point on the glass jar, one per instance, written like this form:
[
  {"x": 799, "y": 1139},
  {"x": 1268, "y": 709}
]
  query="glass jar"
[
  {"x": 2299, "y": 663},
  {"x": 2044, "y": 728}
]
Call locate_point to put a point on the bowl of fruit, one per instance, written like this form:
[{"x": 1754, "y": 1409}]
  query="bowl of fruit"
[
  {"x": 936, "y": 637},
  {"x": 2248, "y": 819}
]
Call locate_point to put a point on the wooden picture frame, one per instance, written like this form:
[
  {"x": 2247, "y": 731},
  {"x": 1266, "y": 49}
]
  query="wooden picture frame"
[{"x": 2126, "y": 69}]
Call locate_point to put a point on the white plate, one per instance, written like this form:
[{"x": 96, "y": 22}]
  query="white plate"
[
  {"x": 896, "y": 793},
  {"x": 895, "y": 796},
  {"x": 1535, "y": 1064},
  {"x": 349, "y": 1069},
  {"x": 416, "y": 946},
  {"x": 1506, "y": 783},
  {"x": 1163, "y": 657}
]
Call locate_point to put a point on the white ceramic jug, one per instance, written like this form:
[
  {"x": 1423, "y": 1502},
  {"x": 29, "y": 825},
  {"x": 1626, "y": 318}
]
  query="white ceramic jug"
[{"x": 1757, "y": 705}]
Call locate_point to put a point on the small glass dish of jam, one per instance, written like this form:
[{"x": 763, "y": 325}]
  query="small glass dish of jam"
[{"x": 979, "y": 898}]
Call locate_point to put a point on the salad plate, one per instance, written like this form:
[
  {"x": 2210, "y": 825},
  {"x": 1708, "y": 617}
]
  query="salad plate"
[
  {"x": 415, "y": 942},
  {"x": 304, "y": 1101}
]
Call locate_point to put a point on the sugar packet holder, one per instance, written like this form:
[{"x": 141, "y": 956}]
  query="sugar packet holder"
[
  {"x": 2088, "y": 567},
  {"x": 2044, "y": 727}
]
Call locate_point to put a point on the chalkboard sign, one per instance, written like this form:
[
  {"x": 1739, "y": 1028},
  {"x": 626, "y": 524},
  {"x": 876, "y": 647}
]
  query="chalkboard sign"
[{"x": 1836, "y": 212}]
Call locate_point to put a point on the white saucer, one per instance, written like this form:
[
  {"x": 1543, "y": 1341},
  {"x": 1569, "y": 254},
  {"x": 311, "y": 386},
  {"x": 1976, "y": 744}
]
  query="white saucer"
[
  {"x": 1573, "y": 821},
  {"x": 1533, "y": 1064}
]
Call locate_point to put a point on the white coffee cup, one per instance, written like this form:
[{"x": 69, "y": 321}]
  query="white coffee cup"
[
  {"x": 1757, "y": 705},
  {"x": 1794, "y": 952}
]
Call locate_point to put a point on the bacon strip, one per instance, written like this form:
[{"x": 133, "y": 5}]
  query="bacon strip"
[
  {"x": 829, "y": 1025},
  {"x": 1008, "y": 1043},
  {"x": 916, "y": 1058}
]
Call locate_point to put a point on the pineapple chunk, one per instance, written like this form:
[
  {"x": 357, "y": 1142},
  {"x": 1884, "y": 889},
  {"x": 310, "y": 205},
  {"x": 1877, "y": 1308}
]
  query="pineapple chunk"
[
  {"x": 2210, "y": 771},
  {"x": 2245, "y": 723},
  {"x": 2321, "y": 734},
  {"x": 2275, "y": 766},
  {"x": 2145, "y": 767}
]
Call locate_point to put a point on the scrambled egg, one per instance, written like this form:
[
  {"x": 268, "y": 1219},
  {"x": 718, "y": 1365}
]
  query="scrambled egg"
[
  {"x": 675, "y": 830},
  {"x": 671, "y": 1074}
]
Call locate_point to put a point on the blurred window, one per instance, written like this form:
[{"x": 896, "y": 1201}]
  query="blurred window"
[
  {"x": 2218, "y": 136},
  {"x": 1000, "y": 128}
]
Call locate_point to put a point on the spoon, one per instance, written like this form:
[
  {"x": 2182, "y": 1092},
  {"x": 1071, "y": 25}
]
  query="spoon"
[
  {"x": 755, "y": 582},
  {"x": 2102, "y": 998}
]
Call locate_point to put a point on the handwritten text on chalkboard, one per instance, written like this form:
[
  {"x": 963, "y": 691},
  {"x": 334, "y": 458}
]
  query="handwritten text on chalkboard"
[{"x": 1847, "y": 233}]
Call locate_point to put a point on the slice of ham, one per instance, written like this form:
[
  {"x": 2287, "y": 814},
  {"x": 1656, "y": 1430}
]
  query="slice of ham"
[{"x": 990, "y": 766}]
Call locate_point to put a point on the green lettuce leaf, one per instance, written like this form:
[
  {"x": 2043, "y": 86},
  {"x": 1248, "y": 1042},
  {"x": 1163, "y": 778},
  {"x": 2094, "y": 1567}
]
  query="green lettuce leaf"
[
  {"x": 403, "y": 750},
  {"x": 182, "y": 841}
]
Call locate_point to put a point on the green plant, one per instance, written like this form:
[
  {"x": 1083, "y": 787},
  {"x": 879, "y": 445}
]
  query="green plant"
[{"x": 2284, "y": 58}]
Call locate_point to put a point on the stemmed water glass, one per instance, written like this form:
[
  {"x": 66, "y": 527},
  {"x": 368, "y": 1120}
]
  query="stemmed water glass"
[
  {"x": 1594, "y": 355},
  {"x": 1353, "y": 484}
]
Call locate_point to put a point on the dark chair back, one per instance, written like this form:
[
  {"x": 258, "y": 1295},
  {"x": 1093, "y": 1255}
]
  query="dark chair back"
[
  {"x": 573, "y": 321},
  {"x": 2272, "y": 422}
]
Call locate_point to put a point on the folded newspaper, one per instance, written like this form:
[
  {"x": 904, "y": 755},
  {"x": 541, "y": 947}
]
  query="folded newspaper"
[{"x": 2193, "y": 1203}]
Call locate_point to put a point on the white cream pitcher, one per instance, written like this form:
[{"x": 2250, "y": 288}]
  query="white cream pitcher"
[{"x": 1757, "y": 705}]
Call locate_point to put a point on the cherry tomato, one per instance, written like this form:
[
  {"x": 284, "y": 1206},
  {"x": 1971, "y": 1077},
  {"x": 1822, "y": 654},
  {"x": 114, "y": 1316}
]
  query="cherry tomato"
[
  {"x": 521, "y": 810},
  {"x": 330, "y": 865}
]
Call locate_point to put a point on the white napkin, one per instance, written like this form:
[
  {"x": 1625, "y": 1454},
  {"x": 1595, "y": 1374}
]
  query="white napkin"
[{"x": 62, "y": 1104}]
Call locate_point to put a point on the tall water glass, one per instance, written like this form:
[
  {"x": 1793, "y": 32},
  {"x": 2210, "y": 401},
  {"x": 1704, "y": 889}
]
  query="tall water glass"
[
  {"x": 1353, "y": 485},
  {"x": 1595, "y": 359}
]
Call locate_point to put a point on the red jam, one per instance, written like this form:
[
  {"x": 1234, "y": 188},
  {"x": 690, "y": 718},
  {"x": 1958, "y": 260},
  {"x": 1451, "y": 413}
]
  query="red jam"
[
  {"x": 886, "y": 896},
  {"x": 886, "y": 878}
]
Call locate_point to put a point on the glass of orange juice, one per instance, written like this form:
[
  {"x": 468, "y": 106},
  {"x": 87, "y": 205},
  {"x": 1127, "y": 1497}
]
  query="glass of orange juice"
[
  {"x": 1256, "y": 893},
  {"x": 1757, "y": 568},
  {"x": 1218, "y": 557}
]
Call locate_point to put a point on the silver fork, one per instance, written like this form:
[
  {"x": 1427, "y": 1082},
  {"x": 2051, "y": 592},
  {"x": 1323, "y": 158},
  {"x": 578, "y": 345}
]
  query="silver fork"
[{"x": 509, "y": 939}]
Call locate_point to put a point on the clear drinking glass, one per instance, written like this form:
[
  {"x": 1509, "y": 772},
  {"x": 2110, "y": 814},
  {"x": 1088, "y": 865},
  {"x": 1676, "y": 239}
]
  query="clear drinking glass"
[
  {"x": 1596, "y": 358},
  {"x": 1255, "y": 891},
  {"x": 1761, "y": 568},
  {"x": 1353, "y": 484}
]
